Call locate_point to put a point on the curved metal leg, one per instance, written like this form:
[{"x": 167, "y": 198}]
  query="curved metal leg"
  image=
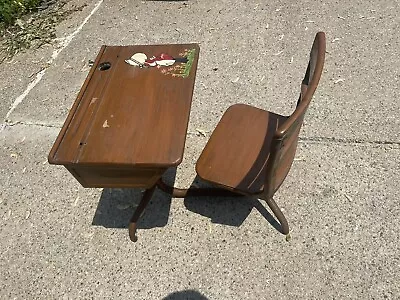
[
  {"x": 193, "y": 191},
  {"x": 138, "y": 212},
  {"x": 279, "y": 215}
]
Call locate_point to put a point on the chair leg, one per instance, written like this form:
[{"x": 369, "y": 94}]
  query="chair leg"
[
  {"x": 138, "y": 212},
  {"x": 279, "y": 215}
]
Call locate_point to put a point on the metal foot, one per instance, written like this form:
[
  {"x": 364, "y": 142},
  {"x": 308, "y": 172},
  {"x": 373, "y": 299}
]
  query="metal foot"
[
  {"x": 132, "y": 232},
  {"x": 138, "y": 213},
  {"x": 288, "y": 237}
]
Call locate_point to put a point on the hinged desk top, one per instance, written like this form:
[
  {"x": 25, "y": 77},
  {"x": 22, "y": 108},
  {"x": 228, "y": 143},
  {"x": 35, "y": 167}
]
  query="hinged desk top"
[{"x": 126, "y": 115}]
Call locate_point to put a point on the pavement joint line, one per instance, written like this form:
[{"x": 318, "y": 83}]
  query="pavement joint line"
[
  {"x": 64, "y": 42},
  {"x": 301, "y": 139},
  {"x": 347, "y": 141}
]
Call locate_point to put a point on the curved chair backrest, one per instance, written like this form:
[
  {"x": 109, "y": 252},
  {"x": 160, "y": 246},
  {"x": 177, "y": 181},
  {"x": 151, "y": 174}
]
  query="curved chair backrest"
[{"x": 284, "y": 142}]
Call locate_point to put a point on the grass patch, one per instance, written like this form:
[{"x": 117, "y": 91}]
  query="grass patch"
[
  {"x": 33, "y": 29},
  {"x": 11, "y": 10}
]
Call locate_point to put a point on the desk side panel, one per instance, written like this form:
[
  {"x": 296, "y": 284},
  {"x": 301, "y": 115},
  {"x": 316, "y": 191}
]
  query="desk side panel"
[{"x": 108, "y": 177}]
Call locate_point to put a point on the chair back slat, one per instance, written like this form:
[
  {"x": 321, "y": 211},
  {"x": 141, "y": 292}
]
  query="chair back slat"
[{"x": 284, "y": 142}]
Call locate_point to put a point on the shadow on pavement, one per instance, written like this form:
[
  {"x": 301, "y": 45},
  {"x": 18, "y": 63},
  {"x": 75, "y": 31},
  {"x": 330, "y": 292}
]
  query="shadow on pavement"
[
  {"x": 116, "y": 207},
  {"x": 185, "y": 295},
  {"x": 227, "y": 210}
]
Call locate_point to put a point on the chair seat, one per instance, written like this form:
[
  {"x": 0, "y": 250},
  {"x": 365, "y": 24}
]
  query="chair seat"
[{"x": 237, "y": 152}]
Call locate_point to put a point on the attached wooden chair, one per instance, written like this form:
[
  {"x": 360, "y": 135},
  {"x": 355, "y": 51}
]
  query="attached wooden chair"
[{"x": 251, "y": 150}]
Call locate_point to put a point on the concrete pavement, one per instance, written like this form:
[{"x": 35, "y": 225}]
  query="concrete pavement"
[{"x": 341, "y": 198}]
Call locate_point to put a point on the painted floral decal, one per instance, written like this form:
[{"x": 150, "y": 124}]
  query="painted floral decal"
[{"x": 169, "y": 65}]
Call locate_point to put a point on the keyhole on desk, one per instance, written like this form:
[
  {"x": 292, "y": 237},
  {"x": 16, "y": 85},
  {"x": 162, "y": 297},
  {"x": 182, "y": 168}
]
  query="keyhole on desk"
[{"x": 104, "y": 66}]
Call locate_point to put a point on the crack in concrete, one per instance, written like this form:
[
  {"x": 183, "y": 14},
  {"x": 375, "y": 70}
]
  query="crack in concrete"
[{"x": 32, "y": 124}]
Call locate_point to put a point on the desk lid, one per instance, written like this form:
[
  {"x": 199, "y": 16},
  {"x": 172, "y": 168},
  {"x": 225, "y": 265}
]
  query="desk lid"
[{"x": 126, "y": 114}]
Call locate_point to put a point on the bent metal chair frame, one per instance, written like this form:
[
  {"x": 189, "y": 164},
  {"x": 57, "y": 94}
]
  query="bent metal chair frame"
[{"x": 281, "y": 153}]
